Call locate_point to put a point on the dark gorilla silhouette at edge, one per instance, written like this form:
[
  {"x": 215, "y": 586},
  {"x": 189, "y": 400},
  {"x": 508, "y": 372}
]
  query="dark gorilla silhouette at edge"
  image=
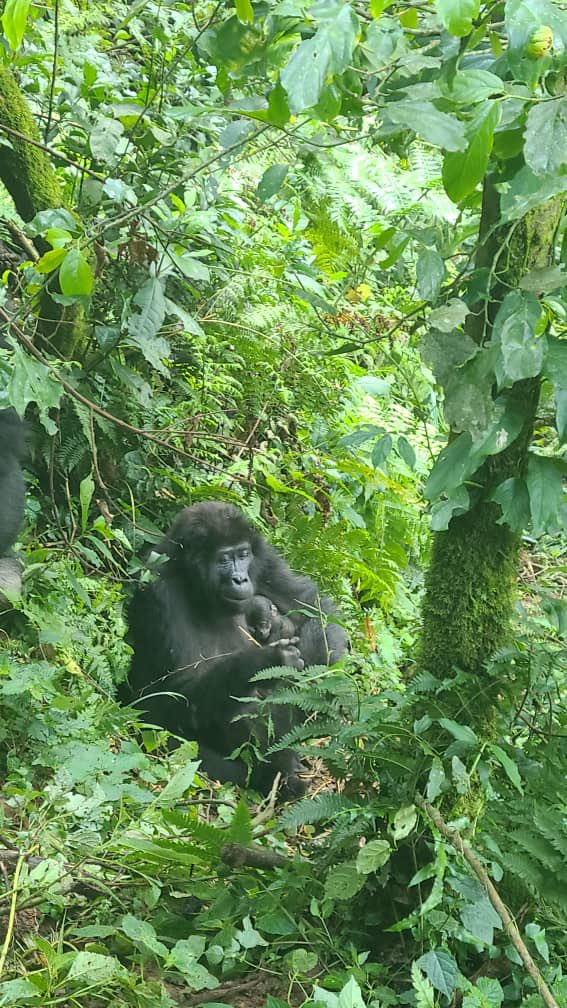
[{"x": 189, "y": 634}]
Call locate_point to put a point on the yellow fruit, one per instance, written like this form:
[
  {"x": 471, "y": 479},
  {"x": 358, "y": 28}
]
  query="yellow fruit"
[{"x": 540, "y": 43}]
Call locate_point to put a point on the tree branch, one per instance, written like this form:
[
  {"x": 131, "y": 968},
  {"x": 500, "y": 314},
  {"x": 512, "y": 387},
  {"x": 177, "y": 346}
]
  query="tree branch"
[{"x": 508, "y": 922}]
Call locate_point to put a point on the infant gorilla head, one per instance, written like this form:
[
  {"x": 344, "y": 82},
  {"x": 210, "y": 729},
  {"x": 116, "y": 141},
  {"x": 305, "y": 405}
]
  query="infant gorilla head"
[
  {"x": 265, "y": 623},
  {"x": 195, "y": 651}
]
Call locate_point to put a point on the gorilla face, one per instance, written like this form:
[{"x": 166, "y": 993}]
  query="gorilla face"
[
  {"x": 260, "y": 615},
  {"x": 230, "y": 574}
]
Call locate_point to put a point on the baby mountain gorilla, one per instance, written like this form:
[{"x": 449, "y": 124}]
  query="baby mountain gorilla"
[
  {"x": 194, "y": 654},
  {"x": 265, "y": 623}
]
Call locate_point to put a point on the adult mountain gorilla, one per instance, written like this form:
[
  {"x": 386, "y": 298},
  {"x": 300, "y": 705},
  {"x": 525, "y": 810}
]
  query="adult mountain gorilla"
[{"x": 190, "y": 638}]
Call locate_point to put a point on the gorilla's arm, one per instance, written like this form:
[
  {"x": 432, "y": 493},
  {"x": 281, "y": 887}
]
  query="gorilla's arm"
[
  {"x": 320, "y": 642},
  {"x": 206, "y": 683}
]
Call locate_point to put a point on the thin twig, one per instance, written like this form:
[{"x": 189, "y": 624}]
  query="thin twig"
[
  {"x": 12, "y": 917},
  {"x": 50, "y": 151},
  {"x": 508, "y": 922}
]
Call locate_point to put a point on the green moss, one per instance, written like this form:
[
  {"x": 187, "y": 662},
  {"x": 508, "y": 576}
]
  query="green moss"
[
  {"x": 470, "y": 590},
  {"x": 25, "y": 170},
  {"x": 32, "y": 182},
  {"x": 471, "y": 580}
]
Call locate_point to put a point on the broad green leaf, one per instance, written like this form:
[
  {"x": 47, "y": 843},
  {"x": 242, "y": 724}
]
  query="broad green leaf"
[
  {"x": 451, "y": 316},
  {"x": 543, "y": 280},
  {"x": 343, "y": 881},
  {"x": 480, "y": 919},
  {"x": 404, "y": 822},
  {"x": 429, "y": 271},
  {"x": 302, "y": 961},
  {"x": 86, "y": 491},
  {"x": 462, "y": 733},
  {"x": 545, "y": 146},
  {"x": 244, "y": 11},
  {"x": 456, "y": 462},
  {"x": 31, "y": 381},
  {"x": 50, "y": 260},
  {"x": 436, "y": 780},
  {"x": 278, "y": 112},
  {"x": 143, "y": 935},
  {"x": 271, "y": 181},
  {"x": 512, "y": 496},
  {"x": 525, "y": 191},
  {"x": 56, "y": 218},
  {"x": 75, "y": 275},
  {"x": 351, "y": 995},
  {"x": 144, "y": 326},
  {"x": 178, "y": 784},
  {"x": 381, "y": 450},
  {"x": 19, "y": 992},
  {"x": 384, "y": 42},
  {"x": 248, "y": 936},
  {"x": 523, "y": 17},
  {"x": 14, "y": 19},
  {"x": 521, "y": 351},
  {"x": 328, "y": 52},
  {"x": 236, "y": 132},
  {"x": 462, "y": 172},
  {"x": 469, "y": 87},
  {"x": 457, "y": 502},
  {"x": 457, "y": 15},
  {"x": 555, "y": 370},
  {"x": 443, "y": 352},
  {"x": 104, "y": 139},
  {"x": 438, "y": 128},
  {"x": 406, "y": 451},
  {"x": 374, "y": 855},
  {"x": 509, "y": 766},
  {"x": 196, "y": 976},
  {"x": 441, "y": 969},
  {"x": 545, "y": 487},
  {"x": 469, "y": 404},
  {"x": 94, "y": 969}
]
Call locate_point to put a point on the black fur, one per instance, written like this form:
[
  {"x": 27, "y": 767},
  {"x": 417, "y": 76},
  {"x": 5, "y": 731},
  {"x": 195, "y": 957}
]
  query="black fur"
[
  {"x": 190, "y": 638},
  {"x": 12, "y": 491}
]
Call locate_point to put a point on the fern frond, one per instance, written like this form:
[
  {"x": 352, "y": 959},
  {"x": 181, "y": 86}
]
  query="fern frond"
[{"x": 314, "y": 810}]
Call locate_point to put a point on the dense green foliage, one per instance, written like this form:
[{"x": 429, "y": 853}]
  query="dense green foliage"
[{"x": 306, "y": 258}]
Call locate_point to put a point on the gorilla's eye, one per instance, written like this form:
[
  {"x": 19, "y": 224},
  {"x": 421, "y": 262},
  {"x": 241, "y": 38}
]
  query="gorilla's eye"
[{"x": 243, "y": 554}]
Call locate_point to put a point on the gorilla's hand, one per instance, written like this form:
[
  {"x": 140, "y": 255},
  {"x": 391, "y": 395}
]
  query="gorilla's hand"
[{"x": 286, "y": 653}]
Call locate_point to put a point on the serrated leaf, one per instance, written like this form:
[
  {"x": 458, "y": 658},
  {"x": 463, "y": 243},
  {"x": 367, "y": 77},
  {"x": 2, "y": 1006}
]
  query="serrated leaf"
[
  {"x": 545, "y": 145},
  {"x": 457, "y": 15},
  {"x": 374, "y": 855},
  {"x": 31, "y": 381},
  {"x": 14, "y": 20},
  {"x": 343, "y": 881},
  {"x": 441, "y": 969},
  {"x": 271, "y": 181},
  {"x": 75, "y": 275}
]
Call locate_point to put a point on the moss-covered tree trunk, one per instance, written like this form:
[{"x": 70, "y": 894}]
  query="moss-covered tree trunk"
[
  {"x": 32, "y": 182},
  {"x": 471, "y": 578}
]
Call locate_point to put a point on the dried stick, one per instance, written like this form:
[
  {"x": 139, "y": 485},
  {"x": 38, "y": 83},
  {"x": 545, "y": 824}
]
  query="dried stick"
[{"x": 508, "y": 922}]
